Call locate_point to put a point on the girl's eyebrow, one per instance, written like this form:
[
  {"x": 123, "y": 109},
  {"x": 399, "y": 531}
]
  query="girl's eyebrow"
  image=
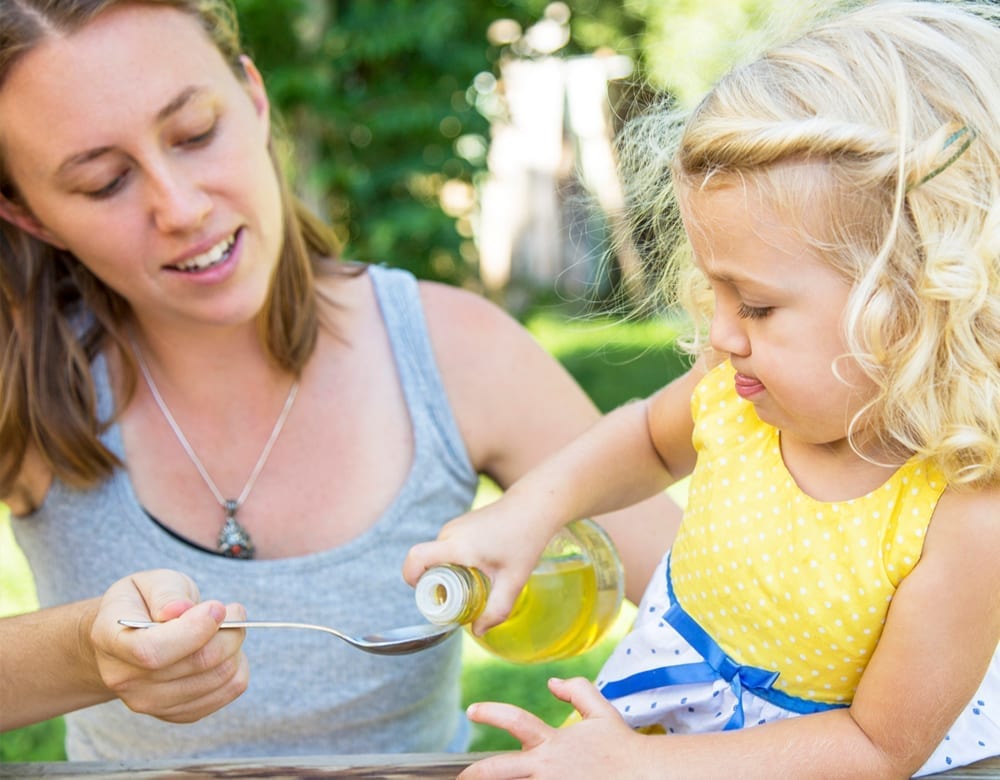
[
  {"x": 175, "y": 105},
  {"x": 732, "y": 277}
]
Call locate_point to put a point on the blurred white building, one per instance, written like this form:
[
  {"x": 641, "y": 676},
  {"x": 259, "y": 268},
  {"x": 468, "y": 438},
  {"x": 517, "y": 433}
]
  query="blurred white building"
[{"x": 548, "y": 205}]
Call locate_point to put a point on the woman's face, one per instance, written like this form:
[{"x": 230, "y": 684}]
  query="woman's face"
[{"x": 134, "y": 146}]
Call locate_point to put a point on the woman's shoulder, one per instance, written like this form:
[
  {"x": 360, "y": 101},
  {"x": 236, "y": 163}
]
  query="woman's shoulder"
[
  {"x": 463, "y": 319},
  {"x": 31, "y": 485}
]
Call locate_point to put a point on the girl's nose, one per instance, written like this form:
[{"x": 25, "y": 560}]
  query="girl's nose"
[
  {"x": 179, "y": 204},
  {"x": 727, "y": 333}
]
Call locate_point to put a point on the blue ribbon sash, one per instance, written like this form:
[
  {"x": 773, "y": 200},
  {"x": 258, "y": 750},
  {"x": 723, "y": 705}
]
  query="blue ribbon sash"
[{"x": 717, "y": 665}]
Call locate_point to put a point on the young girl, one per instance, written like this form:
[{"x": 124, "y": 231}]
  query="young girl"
[{"x": 831, "y": 605}]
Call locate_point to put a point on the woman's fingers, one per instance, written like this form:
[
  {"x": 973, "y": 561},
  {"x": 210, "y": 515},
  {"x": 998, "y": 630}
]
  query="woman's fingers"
[
  {"x": 183, "y": 667},
  {"x": 163, "y": 645},
  {"x": 190, "y": 698}
]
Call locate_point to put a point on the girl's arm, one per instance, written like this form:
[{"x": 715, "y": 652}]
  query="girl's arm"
[
  {"x": 76, "y": 655},
  {"x": 515, "y": 412},
  {"x": 940, "y": 635},
  {"x": 515, "y": 405}
]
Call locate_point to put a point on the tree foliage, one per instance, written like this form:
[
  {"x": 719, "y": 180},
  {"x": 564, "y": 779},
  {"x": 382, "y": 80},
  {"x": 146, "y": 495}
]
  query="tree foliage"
[{"x": 378, "y": 97}]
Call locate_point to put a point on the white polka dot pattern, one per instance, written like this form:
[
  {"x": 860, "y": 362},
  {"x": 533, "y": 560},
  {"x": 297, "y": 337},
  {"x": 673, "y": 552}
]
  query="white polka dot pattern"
[{"x": 780, "y": 580}]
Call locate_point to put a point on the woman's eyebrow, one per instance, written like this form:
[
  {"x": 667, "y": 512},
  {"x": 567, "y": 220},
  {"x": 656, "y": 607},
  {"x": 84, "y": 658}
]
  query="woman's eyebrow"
[{"x": 175, "y": 105}]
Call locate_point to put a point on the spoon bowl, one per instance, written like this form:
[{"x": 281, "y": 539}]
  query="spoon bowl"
[{"x": 395, "y": 641}]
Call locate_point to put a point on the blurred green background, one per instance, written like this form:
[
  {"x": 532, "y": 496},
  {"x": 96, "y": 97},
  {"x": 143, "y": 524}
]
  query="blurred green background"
[{"x": 390, "y": 102}]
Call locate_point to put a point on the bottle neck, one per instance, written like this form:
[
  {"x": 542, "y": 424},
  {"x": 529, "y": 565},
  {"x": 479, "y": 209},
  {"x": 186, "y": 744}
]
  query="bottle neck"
[{"x": 451, "y": 594}]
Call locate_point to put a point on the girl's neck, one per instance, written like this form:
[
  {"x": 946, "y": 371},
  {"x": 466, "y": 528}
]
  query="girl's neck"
[{"x": 834, "y": 471}]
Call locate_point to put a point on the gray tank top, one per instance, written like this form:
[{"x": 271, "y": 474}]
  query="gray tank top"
[{"x": 309, "y": 693}]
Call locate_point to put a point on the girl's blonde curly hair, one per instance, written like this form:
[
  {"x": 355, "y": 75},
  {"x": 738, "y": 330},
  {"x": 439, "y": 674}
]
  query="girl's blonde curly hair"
[{"x": 898, "y": 103}]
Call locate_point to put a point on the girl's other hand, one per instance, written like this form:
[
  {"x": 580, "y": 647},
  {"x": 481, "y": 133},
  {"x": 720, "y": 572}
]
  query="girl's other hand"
[
  {"x": 179, "y": 671},
  {"x": 600, "y": 746}
]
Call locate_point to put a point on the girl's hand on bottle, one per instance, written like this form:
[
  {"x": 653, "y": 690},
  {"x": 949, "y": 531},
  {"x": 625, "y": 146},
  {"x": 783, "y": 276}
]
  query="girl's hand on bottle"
[
  {"x": 179, "y": 671},
  {"x": 493, "y": 539},
  {"x": 610, "y": 747}
]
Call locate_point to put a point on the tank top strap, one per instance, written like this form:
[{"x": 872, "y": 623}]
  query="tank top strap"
[{"x": 398, "y": 295}]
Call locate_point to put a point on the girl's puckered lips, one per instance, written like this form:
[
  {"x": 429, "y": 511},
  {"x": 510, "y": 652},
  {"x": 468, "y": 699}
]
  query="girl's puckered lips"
[{"x": 747, "y": 386}]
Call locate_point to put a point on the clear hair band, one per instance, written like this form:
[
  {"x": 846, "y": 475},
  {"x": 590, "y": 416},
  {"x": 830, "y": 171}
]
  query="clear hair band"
[{"x": 965, "y": 132}]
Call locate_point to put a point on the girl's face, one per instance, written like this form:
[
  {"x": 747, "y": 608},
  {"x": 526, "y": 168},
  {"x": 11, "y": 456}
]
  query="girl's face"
[
  {"x": 778, "y": 313},
  {"x": 133, "y": 145}
]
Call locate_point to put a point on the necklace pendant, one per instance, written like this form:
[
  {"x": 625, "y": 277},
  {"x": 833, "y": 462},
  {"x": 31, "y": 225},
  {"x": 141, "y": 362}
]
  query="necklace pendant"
[{"x": 234, "y": 541}]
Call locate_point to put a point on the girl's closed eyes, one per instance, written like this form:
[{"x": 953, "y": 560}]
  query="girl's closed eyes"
[{"x": 747, "y": 312}]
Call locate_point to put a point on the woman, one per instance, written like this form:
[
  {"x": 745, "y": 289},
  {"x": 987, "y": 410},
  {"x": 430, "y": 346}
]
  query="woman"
[{"x": 193, "y": 385}]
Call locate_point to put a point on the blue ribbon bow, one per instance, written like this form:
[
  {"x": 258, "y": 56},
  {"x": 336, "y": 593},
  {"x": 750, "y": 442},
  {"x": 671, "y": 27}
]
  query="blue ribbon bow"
[{"x": 717, "y": 665}]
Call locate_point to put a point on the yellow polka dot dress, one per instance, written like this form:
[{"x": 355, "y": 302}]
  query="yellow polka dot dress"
[{"x": 770, "y": 603}]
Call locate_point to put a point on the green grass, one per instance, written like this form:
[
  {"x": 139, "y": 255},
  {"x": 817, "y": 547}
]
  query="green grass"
[
  {"x": 43, "y": 741},
  {"x": 615, "y": 362}
]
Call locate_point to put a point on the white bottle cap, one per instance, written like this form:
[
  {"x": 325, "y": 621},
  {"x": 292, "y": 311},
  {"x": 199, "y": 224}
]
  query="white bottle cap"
[{"x": 441, "y": 594}]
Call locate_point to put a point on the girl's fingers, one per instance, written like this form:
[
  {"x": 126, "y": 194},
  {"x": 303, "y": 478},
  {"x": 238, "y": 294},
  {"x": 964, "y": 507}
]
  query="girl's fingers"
[
  {"x": 498, "y": 606},
  {"x": 529, "y": 730},
  {"x": 506, "y": 766},
  {"x": 584, "y": 697}
]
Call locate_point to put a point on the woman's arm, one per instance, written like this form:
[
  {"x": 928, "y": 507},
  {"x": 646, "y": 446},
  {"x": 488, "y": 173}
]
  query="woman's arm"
[
  {"x": 47, "y": 666},
  {"x": 64, "y": 658}
]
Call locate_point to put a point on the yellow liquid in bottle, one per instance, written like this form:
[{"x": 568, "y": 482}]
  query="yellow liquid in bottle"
[
  {"x": 570, "y": 600},
  {"x": 539, "y": 627}
]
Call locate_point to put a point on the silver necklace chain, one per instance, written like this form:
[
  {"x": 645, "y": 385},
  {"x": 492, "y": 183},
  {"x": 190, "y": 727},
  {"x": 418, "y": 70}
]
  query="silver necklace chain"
[{"x": 234, "y": 541}]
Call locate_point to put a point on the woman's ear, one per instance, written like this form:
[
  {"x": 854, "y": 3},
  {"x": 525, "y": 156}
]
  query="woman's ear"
[
  {"x": 22, "y": 218},
  {"x": 255, "y": 88}
]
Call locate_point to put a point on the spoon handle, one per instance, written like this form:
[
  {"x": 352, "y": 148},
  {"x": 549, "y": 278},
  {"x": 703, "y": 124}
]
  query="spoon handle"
[{"x": 247, "y": 624}]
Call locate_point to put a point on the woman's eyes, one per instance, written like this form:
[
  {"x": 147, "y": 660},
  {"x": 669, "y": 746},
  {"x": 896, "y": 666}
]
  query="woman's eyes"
[
  {"x": 192, "y": 142},
  {"x": 108, "y": 189},
  {"x": 200, "y": 139},
  {"x": 753, "y": 312}
]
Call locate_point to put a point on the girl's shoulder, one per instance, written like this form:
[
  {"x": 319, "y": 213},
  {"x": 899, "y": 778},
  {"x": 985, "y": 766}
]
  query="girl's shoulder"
[
  {"x": 965, "y": 529},
  {"x": 973, "y": 507}
]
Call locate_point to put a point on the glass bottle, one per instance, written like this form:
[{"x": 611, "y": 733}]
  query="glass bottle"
[{"x": 568, "y": 604}]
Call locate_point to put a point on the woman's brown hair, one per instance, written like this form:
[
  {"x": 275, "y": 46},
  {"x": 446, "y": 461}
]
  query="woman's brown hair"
[{"x": 56, "y": 317}]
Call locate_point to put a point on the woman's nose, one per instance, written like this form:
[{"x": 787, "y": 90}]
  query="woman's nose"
[{"x": 179, "y": 204}]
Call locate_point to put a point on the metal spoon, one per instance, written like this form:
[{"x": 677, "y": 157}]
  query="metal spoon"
[{"x": 395, "y": 641}]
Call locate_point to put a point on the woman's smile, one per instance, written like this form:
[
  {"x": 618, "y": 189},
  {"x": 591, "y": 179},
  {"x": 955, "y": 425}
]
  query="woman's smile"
[{"x": 217, "y": 254}]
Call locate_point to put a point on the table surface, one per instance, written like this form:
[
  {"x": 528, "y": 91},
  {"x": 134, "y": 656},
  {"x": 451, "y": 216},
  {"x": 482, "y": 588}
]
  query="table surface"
[{"x": 404, "y": 766}]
